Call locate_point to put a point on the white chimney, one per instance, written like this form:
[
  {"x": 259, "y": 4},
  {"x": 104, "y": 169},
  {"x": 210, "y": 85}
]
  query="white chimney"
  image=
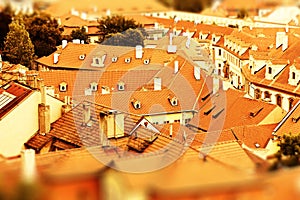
[
  {"x": 279, "y": 38},
  {"x": 64, "y": 43},
  {"x": 86, "y": 113},
  {"x": 82, "y": 42},
  {"x": 156, "y": 25},
  {"x": 138, "y": 52},
  {"x": 83, "y": 16},
  {"x": 171, "y": 130},
  {"x": 172, "y": 48},
  {"x": 55, "y": 58},
  {"x": 171, "y": 39},
  {"x": 176, "y": 66},
  {"x": 285, "y": 41},
  {"x": 157, "y": 83},
  {"x": 108, "y": 13},
  {"x": 28, "y": 165},
  {"x": 197, "y": 73},
  {"x": 188, "y": 42},
  {"x": 286, "y": 28},
  {"x": 216, "y": 85}
]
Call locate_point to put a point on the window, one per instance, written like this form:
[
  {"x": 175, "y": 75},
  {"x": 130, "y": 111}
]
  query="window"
[
  {"x": 291, "y": 101},
  {"x": 257, "y": 93},
  {"x": 63, "y": 87},
  {"x": 220, "y": 52},
  {"x": 267, "y": 95},
  {"x": 121, "y": 86},
  {"x": 94, "y": 86},
  {"x": 270, "y": 70},
  {"x": 293, "y": 75},
  {"x": 177, "y": 120},
  {"x": 166, "y": 122},
  {"x": 127, "y": 60},
  {"x": 278, "y": 100}
]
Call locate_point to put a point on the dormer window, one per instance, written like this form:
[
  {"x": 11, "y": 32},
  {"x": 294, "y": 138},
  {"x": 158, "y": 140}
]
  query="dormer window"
[
  {"x": 98, "y": 61},
  {"x": 136, "y": 104},
  {"x": 82, "y": 57},
  {"x": 94, "y": 86},
  {"x": 146, "y": 61},
  {"x": 127, "y": 60},
  {"x": 121, "y": 86},
  {"x": 173, "y": 100},
  {"x": 63, "y": 87},
  {"x": 270, "y": 70},
  {"x": 295, "y": 119},
  {"x": 114, "y": 59},
  {"x": 293, "y": 75}
]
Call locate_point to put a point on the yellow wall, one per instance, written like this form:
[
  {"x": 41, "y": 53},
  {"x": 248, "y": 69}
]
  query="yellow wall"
[{"x": 160, "y": 119}]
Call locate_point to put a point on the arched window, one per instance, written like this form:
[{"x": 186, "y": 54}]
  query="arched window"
[
  {"x": 291, "y": 101},
  {"x": 278, "y": 100},
  {"x": 257, "y": 94}
]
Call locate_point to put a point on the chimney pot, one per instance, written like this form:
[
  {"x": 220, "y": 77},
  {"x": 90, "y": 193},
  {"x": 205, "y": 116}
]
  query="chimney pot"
[{"x": 28, "y": 165}]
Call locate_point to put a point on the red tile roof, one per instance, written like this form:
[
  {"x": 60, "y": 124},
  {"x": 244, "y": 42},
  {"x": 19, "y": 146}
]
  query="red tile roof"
[{"x": 11, "y": 95}]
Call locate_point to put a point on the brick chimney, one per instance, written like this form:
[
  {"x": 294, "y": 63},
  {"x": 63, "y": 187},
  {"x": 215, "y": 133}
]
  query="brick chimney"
[
  {"x": 43, "y": 110},
  {"x": 86, "y": 113}
]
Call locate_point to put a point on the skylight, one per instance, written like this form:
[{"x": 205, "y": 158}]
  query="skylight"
[{"x": 6, "y": 98}]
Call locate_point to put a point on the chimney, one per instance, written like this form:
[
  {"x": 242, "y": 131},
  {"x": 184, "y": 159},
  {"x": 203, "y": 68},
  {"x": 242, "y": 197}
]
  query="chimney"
[
  {"x": 157, "y": 83},
  {"x": 176, "y": 66},
  {"x": 86, "y": 113},
  {"x": 286, "y": 28},
  {"x": 171, "y": 130},
  {"x": 43, "y": 90},
  {"x": 83, "y": 16},
  {"x": 188, "y": 42},
  {"x": 197, "y": 73},
  {"x": 138, "y": 52},
  {"x": 285, "y": 41},
  {"x": 171, "y": 39},
  {"x": 216, "y": 85},
  {"x": 64, "y": 43},
  {"x": 44, "y": 118},
  {"x": 55, "y": 58},
  {"x": 28, "y": 165},
  {"x": 172, "y": 48},
  {"x": 108, "y": 12},
  {"x": 279, "y": 38}
]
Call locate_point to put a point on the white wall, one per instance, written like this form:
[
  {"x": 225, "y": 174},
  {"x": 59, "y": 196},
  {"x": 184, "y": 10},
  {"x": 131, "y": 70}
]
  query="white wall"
[{"x": 22, "y": 122}]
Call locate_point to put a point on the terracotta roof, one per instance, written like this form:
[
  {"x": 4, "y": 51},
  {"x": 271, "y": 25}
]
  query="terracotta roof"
[
  {"x": 69, "y": 129},
  {"x": 11, "y": 95},
  {"x": 215, "y": 113},
  {"x": 290, "y": 123}
]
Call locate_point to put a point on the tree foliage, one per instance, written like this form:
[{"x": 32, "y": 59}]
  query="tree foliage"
[
  {"x": 116, "y": 24},
  {"x": 130, "y": 37},
  {"x": 191, "y": 5},
  {"x": 242, "y": 13},
  {"x": 81, "y": 34},
  {"x": 289, "y": 152},
  {"x": 18, "y": 48},
  {"x": 5, "y": 20},
  {"x": 44, "y": 32}
]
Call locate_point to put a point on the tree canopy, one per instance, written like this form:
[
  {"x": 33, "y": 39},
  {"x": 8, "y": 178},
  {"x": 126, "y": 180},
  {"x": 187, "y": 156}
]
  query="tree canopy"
[
  {"x": 81, "y": 34},
  {"x": 191, "y": 5},
  {"x": 5, "y": 20},
  {"x": 116, "y": 24},
  {"x": 289, "y": 152},
  {"x": 130, "y": 37},
  {"x": 18, "y": 48},
  {"x": 44, "y": 32}
]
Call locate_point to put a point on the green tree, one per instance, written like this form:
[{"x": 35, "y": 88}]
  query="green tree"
[
  {"x": 130, "y": 37},
  {"x": 81, "y": 34},
  {"x": 116, "y": 24},
  {"x": 18, "y": 48},
  {"x": 44, "y": 32},
  {"x": 289, "y": 152}
]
